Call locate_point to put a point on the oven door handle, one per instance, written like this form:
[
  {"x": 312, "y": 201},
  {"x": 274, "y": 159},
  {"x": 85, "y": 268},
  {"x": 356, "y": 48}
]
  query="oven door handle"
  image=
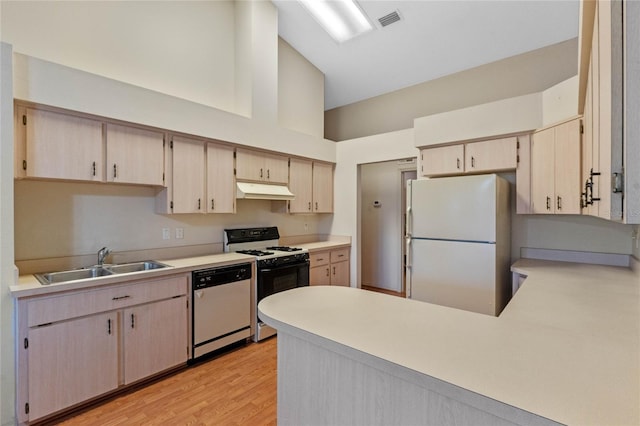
[{"x": 280, "y": 268}]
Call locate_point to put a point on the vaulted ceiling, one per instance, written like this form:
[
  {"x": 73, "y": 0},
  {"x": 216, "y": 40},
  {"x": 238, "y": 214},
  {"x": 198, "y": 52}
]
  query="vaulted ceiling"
[{"x": 432, "y": 39}]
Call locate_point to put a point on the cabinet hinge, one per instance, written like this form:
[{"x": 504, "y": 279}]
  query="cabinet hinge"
[
  {"x": 518, "y": 144},
  {"x": 517, "y": 158},
  {"x": 234, "y": 154},
  {"x": 234, "y": 171},
  {"x": 171, "y": 144},
  {"x": 24, "y": 164},
  {"x": 26, "y": 343},
  {"x": 24, "y": 119},
  {"x": 581, "y": 128},
  {"x": 162, "y": 177},
  {"x": 163, "y": 143},
  {"x": 26, "y": 408},
  {"x": 289, "y": 162},
  {"x": 171, "y": 205}
]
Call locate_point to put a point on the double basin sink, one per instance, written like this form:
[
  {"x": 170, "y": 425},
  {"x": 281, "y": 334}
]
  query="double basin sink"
[{"x": 97, "y": 271}]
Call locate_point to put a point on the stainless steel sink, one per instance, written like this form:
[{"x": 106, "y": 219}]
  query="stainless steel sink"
[
  {"x": 136, "y": 267},
  {"x": 97, "y": 271},
  {"x": 75, "y": 274}
]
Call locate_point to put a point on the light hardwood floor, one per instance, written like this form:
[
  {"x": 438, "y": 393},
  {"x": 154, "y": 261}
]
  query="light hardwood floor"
[{"x": 236, "y": 388}]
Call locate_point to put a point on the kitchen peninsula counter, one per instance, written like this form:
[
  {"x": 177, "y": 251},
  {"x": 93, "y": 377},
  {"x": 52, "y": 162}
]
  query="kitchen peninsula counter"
[{"x": 566, "y": 350}]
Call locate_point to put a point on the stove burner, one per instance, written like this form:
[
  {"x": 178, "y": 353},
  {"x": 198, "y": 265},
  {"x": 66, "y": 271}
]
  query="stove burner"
[
  {"x": 254, "y": 252},
  {"x": 284, "y": 248}
]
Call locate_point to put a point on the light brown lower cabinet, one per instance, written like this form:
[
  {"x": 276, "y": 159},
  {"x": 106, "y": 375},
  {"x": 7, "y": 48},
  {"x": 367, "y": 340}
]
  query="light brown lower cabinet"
[
  {"x": 330, "y": 267},
  {"x": 80, "y": 345}
]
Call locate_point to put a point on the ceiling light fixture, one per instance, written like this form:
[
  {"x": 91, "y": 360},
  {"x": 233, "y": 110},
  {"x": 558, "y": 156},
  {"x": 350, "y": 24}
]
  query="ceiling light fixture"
[{"x": 342, "y": 19}]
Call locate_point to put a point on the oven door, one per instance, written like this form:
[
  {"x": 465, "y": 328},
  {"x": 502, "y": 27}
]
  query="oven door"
[{"x": 281, "y": 278}]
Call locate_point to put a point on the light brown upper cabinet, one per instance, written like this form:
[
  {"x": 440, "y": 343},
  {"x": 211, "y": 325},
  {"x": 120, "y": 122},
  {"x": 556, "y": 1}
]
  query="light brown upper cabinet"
[
  {"x": 603, "y": 152},
  {"x": 555, "y": 169},
  {"x": 261, "y": 167},
  {"x": 444, "y": 160},
  {"x": 221, "y": 183},
  {"x": 54, "y": 145},
  {"x": 492, "y": 155},
  {"x": 200, "y": 178},
  {"x": 188, "y": 175},
  {"x": 134, "y": 155},
  {"x": 472, "y": 157},
  {"x": 301, "y": 185},
  {"x": 322, "y": 187},
  {"x": 312, "y": 184}
]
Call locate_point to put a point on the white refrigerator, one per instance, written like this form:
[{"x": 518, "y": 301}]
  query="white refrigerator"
[{"x": 458, "y": 242}]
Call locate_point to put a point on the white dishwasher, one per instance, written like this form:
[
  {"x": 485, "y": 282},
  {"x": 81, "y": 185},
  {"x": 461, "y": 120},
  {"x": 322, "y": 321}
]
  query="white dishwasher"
[{"x": 221, "y": 307}]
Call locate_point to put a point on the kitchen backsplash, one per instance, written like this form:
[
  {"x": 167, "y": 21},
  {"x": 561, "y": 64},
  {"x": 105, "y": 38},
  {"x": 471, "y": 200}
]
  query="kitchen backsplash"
[{"x": 61, "y": 219}]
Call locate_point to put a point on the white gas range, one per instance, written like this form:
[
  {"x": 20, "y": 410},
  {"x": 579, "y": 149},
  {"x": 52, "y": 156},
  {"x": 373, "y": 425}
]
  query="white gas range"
[{"x": 279, "y": 268}]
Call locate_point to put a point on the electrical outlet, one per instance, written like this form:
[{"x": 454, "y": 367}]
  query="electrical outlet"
[
  {"x": 179, "y": 233},
  {"x": 166, "y": 233}
]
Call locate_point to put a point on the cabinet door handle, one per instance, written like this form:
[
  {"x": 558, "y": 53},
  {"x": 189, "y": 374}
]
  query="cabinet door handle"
[
  {"x": 268, "y": 177},
  {"x": 309, "y": 205},
  {"x": 457, "y": 163},
  {"x": 559, "y": 203},
  {"x": 109, "y": 326},
  {"x": 548, "y": 203},
  {"x": 120, "y": 297},
  {"x": 94, "y": 168},
  {"x": 133, "y": 321},
  {"x": 316, "y": 205},
  {"x": 260, "y": 172},
  {"x": 334, "y": 270},
  {"x": 341, "y": 255},
  {"x": 198, "y": 203},
  {"x": 115, "y": 171},
  {"x": 473, "y": 161},
  {"x": 212, "y": 204},
  {"x": 327, "y": 271}
]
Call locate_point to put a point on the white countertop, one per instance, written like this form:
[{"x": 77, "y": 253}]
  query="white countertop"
[
  {"x": 28, "y": 285},
  {"x": 566, "y": 347}
]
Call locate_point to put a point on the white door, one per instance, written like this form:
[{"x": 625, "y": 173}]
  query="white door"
[
  {"x": 454, "y": 208},
  {"x": 455, "y": 274}
]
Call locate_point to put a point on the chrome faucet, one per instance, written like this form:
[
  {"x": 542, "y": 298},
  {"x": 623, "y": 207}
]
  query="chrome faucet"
[{"x": 102, "y": 254}]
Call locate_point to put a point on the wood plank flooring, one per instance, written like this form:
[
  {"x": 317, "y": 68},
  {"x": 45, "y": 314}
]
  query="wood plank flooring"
[{"x": 235, "y": 388}]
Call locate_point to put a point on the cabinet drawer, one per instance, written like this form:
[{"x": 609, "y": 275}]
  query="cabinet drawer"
[
  {"x": 319, "y": 258},
  {"x": 58, "y": 308},
  {"x": 339, "y": 255}
]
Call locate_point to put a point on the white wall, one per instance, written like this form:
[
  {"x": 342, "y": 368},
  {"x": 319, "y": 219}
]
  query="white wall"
[
  {"x": 7, "y": 378},
  {"x": 350, "y": 154},
  {"x": 512, "y": 115},
  {"x": 300, "y": 92},
  {"x": 181, "y": 48},
  {"x": 381, "y": 225},
  {"x": 560, "y": 101},
  {"x": 58, "y": 219}
]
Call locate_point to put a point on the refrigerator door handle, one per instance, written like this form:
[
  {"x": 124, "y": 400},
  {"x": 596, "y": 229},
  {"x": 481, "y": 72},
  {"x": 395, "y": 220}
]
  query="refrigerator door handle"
[
  {"x": 408, "y": 251},
  {"x": 409, "y": 224}
]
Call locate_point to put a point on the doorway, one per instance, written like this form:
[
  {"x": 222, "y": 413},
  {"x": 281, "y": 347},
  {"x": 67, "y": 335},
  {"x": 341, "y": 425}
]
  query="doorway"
[{"x": 382, "y": 219}]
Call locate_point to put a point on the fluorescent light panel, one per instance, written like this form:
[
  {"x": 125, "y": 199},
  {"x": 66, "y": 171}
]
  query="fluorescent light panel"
[{"x": 342, "y": 19}]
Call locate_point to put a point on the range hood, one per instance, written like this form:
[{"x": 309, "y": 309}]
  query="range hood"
[{"x": 262, "y": 191}]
